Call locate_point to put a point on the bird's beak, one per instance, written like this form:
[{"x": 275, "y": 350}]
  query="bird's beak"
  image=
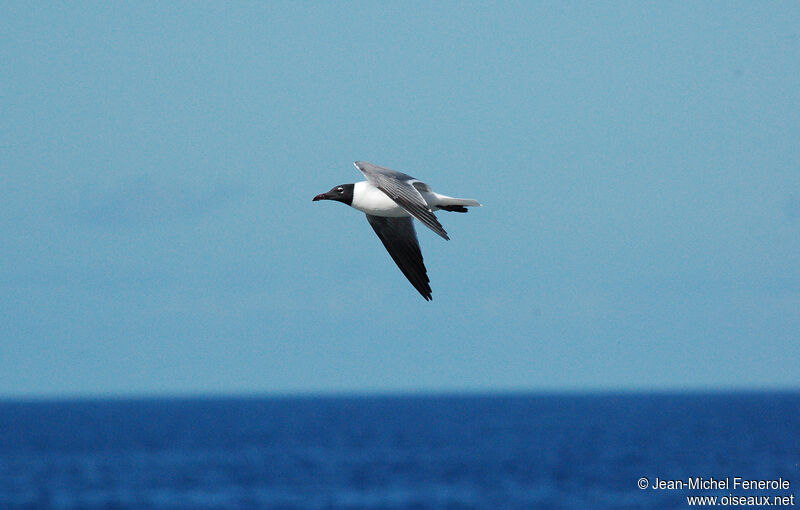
[{"x": 321, "y": 196}]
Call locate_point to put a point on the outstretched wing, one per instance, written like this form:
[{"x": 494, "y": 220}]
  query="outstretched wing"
[
  {"x": 400, "y": 240},
  {"x": 403, "y": 189}
]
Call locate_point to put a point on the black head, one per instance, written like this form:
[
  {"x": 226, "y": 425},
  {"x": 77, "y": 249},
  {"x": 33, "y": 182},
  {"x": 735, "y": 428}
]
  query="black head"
[{"x": 341, "y": 193}]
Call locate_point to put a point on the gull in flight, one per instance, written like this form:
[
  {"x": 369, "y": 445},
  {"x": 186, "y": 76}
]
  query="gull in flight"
[{"x": 390, "y": 200}]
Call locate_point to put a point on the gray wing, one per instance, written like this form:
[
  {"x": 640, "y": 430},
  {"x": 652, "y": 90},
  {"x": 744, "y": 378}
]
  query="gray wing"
[
  {"x": 400, "y": 240},
  {"x": 402, "y": 189}
]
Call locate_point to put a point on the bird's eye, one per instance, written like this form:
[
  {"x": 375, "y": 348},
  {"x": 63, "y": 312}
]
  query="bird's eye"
[{"x": 340, "y": 189}]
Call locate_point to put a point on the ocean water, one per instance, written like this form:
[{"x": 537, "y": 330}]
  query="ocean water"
[{"x": 395, "y": 452}]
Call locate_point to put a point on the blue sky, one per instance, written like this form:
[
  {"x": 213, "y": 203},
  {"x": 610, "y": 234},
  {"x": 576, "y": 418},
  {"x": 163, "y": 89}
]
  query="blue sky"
[{"x": 638, "y": 162}]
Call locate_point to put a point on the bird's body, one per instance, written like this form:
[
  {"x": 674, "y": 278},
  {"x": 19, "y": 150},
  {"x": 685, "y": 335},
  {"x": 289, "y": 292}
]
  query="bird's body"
[
  {"x": 390, "y": 199},
  {"x": 371, "y": 200}
]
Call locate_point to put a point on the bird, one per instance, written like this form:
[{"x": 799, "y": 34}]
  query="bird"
[{"x": 390, "y": 200}]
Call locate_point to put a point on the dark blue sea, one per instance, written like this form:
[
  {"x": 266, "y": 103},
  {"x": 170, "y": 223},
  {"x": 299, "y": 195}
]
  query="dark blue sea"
[{"x": 453, "y": 452}]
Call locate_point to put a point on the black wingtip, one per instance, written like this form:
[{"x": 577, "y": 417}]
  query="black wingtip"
[
  {"x": 454, "y": 208},
  {"x": 424, "y": 289}
]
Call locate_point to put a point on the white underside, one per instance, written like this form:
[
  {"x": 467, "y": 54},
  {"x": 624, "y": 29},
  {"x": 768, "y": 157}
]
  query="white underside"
[{"x": 369, "y": 199}]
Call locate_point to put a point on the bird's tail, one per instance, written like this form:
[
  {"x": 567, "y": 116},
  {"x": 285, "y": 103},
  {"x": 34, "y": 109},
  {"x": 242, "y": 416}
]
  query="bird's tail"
[
  {"x": 467, "y": 202},
  {"x": 456, "y": 204}
]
